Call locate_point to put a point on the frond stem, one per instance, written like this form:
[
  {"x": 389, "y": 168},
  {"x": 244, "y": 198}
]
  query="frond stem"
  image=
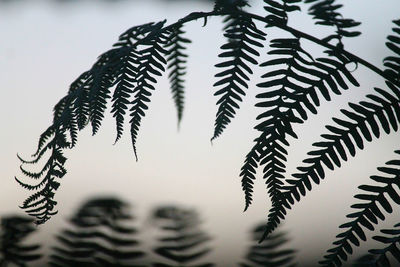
[{"x": 270, "y": 21}]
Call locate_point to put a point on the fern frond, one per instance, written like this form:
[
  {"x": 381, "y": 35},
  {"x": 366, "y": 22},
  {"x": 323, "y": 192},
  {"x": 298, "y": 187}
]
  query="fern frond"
[
  {"x": 51, "y": 170},
  {"x": 333, "y": 149},
  {"x": 243, "y": 36},
  {"x": 392, "y": 63},
  {"x": 392, "y": 242},
  {"x": 247, "y": 173},
  {"x": 278, "y": 11},
  {"x": 134, "y": 34},
  {"x": 44, "y": 137},
  {"x": 231, "y": 5},
  {"x": 98, "y": 95},
  {"x": 368, "y": 214},
  {"x": 86, "y": 102},
  {"x": 326, "y": 13},
  {"x": 123, "y": 90},
  {"x": 151, "y": 63},
  {"x": 31, "y": 187},
  {"x": 291, "y": 88},
  {"x": 127, "y": 71},
  {"x": 176, "y": 58},
  {"x": 382, "y": 109}
]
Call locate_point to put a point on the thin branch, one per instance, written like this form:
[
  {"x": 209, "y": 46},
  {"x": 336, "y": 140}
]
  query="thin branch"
[{"x": 270, "y": 21}]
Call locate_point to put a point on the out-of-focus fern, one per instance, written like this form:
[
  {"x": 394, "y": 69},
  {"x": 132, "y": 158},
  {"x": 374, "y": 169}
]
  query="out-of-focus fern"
[
  {"x": 182, "y": 243},
  {"x": 14, "y": 229},
  {"x": 270, "y": 253},
  {"x": 99, "y": 236}
]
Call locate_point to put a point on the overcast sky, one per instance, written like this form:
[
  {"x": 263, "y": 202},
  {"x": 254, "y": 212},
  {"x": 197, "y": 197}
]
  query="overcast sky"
[{"x": 44, "y": 46}]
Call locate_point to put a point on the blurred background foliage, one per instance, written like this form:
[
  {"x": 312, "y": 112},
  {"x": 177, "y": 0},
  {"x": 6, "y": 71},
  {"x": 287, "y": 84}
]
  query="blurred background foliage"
[{"x": 101, "y": 232}]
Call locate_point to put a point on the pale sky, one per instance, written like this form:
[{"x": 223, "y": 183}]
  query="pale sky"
[{"x": 45, "y": 46}]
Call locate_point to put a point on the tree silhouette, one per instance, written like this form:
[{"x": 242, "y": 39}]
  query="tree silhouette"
[{"x": 295, "y": 82}]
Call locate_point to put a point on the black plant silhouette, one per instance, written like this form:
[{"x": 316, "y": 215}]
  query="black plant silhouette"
[
  {"x": 98, "y": 237},
  {"x": 269, "y": 253},
  {"x": 296, "y": 82},
  {"x": 14, "y": 229},
  {"x": 379, "y": 257},
  {"x": 369, "y": 213},
  {"x": 182, "y": 243}
]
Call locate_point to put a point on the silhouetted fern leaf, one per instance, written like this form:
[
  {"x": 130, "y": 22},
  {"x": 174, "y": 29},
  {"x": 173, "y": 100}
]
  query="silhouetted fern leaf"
[
  {"x": 176, "y": 58},
  {"x": 269, "y": 253},
  {"x": 150, "y": 64},
  {"x": 131, "y": 65},
  {"x": 99, "y": 237},
  {"x": 392, "y": 243},
  {"x": 368, "y": 214},
  {"x": 326, "y": 13},
  {"x": 379, "y": 257},
  {"x": 361, "y": 123},
  {"x": 183, "y": 243},
  {"x": 291, "y": 85},
  {"x": 220, "y": 5},
  {"x": 392, "y": 63},
  {"x": 278, "y": 10},
  {"x": 14, "y": 229},
  {"x": 243, "y": 36}
]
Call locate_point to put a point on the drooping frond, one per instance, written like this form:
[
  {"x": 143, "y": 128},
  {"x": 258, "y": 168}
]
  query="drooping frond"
[
  {"x": 362, "y": 123},
  {"x": 127, "y": 71},
  {"x": 247, "y": 173},
  {"x": 98, "y": 236},
  {"x": 368, "y": 212},
  {"x": 13, "y": 251},
  {"x": 41, "y": 203},
  {"x": 293, "y": 83},
  {"x": 291, "y": 89},
  {"x": 176, "y": 58},
  {"x": 129, "y": 68},
  {"x": 270, "y": 253},
  {"x": 182, "y": 244},
  {"x": 243, "y": 37},
  {"x": 326, "y": 13},
  {"x": 150, "y": 64}
]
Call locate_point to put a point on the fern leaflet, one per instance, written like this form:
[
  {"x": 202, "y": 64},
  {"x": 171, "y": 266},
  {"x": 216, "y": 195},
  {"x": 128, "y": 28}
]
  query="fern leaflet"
[
  {"x": 368, "y": 214},
  {"x": 176, "y": 64},
  {"x": 242, "y": 36}
]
